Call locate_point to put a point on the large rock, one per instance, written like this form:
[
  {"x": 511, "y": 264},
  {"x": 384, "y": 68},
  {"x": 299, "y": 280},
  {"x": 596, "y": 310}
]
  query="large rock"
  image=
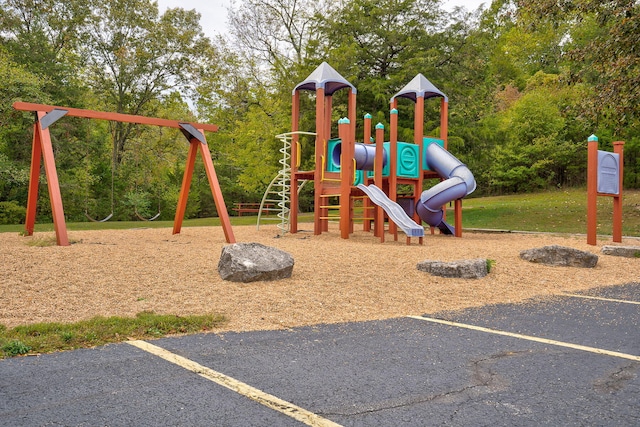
[
  {"x": 250, "y": 262},
  {"x": 560, "y": 256},
  {"x": 625, "y": 251},
  {"x": 465, "y": 269}
]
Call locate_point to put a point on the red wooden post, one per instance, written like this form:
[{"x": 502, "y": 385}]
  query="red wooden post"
[
  {"x": 592, "y": 189},
  {"x": 34, "y": 179},
  {"x": 319, "y": 153},
  {"x": 393, "y": 165},
  {"x": 377, "y": 174},
  {"x": 458, "y": 217},
  {"x": 618, "y": 147},
  {"x": 186, "y": 185},
  {"x": 218, "y": 199},
  {"x": 55, "y": 197},
  {"x": 444, "y": 122},
  {"x": 346, "y": 176}
]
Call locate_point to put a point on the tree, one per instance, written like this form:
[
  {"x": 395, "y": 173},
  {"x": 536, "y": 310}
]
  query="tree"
[
  {"x": 134, "y": 57},
  {"x": 43, "y": 35},
  {"x": 601, "y": 46},
  {"x": 275, "y": 33}
]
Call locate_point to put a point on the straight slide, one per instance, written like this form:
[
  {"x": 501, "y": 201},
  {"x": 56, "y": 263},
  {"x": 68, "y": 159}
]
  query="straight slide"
[{"x": 394, "y": 210}]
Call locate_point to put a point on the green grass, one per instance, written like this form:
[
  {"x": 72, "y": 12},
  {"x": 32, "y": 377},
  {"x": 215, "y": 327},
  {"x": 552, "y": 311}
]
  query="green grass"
[
  {"x": 49, "y": 337},
  {"x": 561, "y": 211},
  {"x": 123, "y": 225}
]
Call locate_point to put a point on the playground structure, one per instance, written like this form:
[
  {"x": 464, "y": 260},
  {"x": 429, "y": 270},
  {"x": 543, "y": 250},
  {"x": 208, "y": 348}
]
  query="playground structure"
[
  {"x": 347, "y": 171},
  {"x": 46, "y": 115},
  {"x": 604, "y": 178}
]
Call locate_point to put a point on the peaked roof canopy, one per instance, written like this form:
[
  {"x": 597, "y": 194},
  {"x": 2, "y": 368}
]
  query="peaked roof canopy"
[
  {"x": 419, "y": 86},
  {"x": 324, "y": 77}
]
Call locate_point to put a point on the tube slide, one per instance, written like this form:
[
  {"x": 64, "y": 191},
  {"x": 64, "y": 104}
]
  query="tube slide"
[
  {"x": 459, "y": 183},
  {"x": 394, "y": 210},
  {"x": 364, "y": 154}
]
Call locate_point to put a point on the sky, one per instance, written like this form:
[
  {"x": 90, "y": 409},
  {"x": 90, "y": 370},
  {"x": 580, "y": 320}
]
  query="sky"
[{"x": 214, "y": 12}]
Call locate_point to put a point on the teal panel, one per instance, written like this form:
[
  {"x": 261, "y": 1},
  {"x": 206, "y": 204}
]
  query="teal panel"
[
  {"x": 408, "y": 164},
  {"x": 426, "y": 141},
  {"x": 359, "y": 177},
  {"x": 331, "y": 145}
]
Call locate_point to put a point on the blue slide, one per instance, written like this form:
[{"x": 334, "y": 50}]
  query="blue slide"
[
  {"x": 459, "y": 183},
  {"x": 394, "y": 210}
]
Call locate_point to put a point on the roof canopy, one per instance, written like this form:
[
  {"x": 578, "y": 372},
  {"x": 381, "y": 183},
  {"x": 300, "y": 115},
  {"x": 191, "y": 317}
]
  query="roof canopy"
[
  {"x": 419, "y": 86},
  {"x": 324, "y": 77}
]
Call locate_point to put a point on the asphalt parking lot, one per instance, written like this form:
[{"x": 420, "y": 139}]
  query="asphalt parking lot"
[{"x": 570, "y": 360}]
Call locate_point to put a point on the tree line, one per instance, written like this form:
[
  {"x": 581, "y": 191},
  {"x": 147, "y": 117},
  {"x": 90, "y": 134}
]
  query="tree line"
[{"x": 528, "y": 81}]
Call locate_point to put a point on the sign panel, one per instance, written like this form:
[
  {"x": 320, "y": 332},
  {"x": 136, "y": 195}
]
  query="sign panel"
[{"x": 608, "y": 173}]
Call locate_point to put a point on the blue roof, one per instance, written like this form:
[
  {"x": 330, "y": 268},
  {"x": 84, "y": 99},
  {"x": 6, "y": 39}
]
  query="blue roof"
[{"x": 325, "y": 77}]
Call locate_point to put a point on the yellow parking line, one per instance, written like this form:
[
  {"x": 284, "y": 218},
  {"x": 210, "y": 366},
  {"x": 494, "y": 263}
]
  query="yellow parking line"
[
  {"x": 530, "y": 338},
  {"x": 602, "y": 299},
  {"x": 270, "y": 401}
]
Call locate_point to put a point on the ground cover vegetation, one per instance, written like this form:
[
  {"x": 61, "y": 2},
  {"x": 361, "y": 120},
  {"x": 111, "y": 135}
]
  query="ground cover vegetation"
[
  {"x": 528, "y": 81},
  {"x": 48, "y": 337}
]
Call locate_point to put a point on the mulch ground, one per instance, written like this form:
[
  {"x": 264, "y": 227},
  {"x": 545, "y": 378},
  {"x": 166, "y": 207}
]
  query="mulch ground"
[{"x": 123, "y": 272}]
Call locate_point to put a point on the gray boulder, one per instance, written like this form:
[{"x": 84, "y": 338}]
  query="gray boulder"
[
  {"x": 251, "y": 262},
  {"x": 625, "y": 251},
  {"x": 465, "y": 269},
  {"x": 560, "y": 256}
]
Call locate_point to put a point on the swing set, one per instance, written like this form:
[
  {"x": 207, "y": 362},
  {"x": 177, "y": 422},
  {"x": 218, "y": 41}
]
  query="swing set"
[{"x": 46, "y": 115}]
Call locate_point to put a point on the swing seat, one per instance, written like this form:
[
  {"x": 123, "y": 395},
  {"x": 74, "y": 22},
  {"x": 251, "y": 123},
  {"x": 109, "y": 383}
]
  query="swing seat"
[{"x": 98, "y": 220}]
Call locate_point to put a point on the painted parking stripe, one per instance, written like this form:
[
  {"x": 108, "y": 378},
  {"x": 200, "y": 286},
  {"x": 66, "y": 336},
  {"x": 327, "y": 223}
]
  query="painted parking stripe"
[
  {"x": 270, "y": 401},
  {"x": 530, "y": 338},
  {"x": 624, "y": 301}
]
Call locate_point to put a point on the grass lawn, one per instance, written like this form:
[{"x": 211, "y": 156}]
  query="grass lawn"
[
  {"x": 558, "y": 211},
  {"x": 561, "y": 211}
]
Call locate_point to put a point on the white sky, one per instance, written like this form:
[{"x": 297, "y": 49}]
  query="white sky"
[{"x": 214, "y": 12}]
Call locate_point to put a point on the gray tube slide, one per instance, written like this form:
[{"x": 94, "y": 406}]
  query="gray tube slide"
[
  {"x": 459, "y": 183},
  {"x": 364, "y": 154},
  {"x": 394, "y": 210}
]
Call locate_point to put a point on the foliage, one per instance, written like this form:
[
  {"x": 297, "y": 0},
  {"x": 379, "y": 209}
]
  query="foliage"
[
  {"x": 49, "y": 337},
  {"x": 15, "y": 348},
  {"x": 527, "y": 81},
  {"x": 12, "y": 213}
]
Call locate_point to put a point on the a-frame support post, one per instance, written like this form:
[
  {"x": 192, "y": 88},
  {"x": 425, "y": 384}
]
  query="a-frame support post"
[
  {"x": 42, "y": 148},
  {"x": 46, "y": 115},
  {"x": 198, "y": 141}
]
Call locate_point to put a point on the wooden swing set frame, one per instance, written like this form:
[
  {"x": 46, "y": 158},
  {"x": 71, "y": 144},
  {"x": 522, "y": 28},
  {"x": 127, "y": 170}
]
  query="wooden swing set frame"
[{"x": 42, "y": 148}]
